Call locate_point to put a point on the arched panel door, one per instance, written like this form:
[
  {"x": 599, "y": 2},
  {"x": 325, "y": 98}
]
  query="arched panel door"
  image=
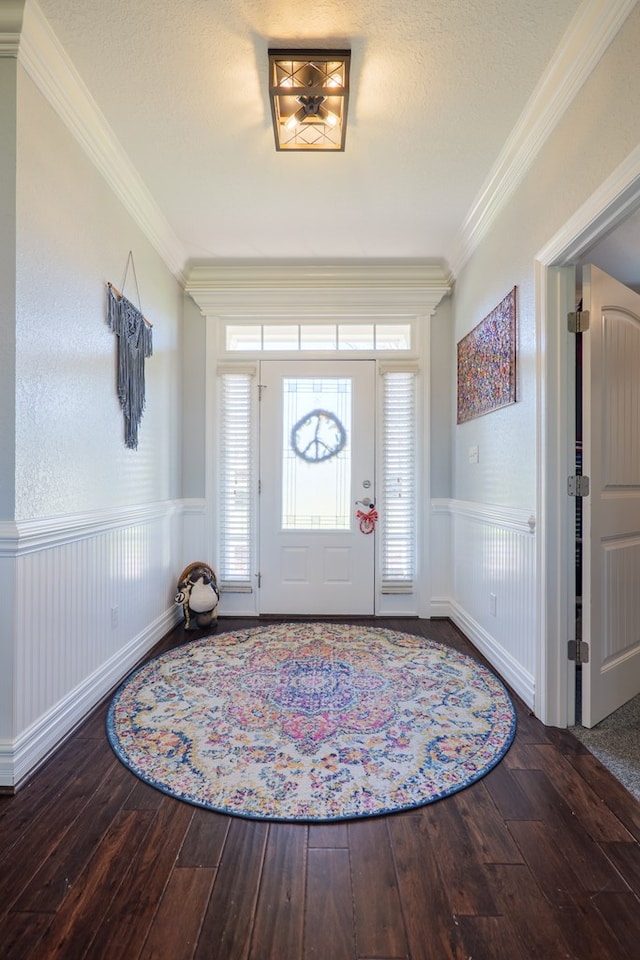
[{"x": 611, "y": 511}]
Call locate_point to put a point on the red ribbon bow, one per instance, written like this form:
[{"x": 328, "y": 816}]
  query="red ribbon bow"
[{"x": 367, "y": 520}]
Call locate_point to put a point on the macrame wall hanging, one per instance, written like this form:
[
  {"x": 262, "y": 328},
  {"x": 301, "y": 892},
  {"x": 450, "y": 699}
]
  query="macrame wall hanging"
[{"x": 134, "y": 346}]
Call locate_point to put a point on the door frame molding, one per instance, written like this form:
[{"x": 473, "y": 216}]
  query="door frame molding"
[
  {"x": 299, "y": 290},
  {"x": 554, "y": 276}
]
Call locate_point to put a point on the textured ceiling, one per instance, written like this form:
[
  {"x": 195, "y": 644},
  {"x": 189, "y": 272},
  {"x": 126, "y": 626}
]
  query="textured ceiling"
[{"x": 437, "y": 87}]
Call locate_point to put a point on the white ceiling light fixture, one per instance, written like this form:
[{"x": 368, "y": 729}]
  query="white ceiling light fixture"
[{"x": 309, "y": 91}]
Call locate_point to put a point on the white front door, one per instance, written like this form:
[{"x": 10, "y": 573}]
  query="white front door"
[
  {"x": 611, "y": 512},
  {"x": 317, "y": 466}
]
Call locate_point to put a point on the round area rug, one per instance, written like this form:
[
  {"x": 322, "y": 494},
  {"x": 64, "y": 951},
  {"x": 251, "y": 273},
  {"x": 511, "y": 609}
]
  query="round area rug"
[{"x": 311, "y": 721}]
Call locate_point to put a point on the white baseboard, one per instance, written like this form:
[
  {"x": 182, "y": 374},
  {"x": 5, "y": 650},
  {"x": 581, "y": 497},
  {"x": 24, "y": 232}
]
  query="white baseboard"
[
  {"x": 522, "y": 682},
  {"x": 6, "y": 763},
  {"x": 440, "y": 607},
  {"x": 34, "y": 745}
]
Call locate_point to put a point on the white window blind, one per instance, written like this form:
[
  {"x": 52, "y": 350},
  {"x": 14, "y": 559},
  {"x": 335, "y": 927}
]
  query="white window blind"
[
  {"x": 235, "y": 464},
  {"x": 399, "y": 482}
]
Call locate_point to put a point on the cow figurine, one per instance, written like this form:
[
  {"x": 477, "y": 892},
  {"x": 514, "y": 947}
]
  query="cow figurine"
[{"x": 199, "y": 596}]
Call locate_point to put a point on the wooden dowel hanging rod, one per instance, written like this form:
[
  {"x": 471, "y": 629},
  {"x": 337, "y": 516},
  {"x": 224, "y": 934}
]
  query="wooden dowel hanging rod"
[{"x": 121, "y": 295}]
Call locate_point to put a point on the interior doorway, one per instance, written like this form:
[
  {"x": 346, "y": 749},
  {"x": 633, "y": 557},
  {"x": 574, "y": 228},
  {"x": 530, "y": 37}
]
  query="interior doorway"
[
  {"x": 578, "y": 242},
  {"x": 608, "y": 445}
]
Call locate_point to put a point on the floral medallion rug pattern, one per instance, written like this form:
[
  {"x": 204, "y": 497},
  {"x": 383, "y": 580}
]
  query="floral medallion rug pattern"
[{"x": 311, "y": 722}]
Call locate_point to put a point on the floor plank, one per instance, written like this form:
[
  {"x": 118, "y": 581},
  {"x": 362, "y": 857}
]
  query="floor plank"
[
  {"x": 581, "y": 798},
  {"x": 620, "y": 911},
  {"x": 68, "y": 858},
  {"x": 553, "y": 873},
  {"x": 279, "y": 923},
  {"x": 329, "y": 932},
  {"x": 431, "y": 927},
  {"x": 175, "y": 931},
  {"x": 462, "y": 871},
  {"x": 124, "y": 927},
  {"x": 228, "y": 922},
  {"x": 205, "y": 839},
  {"x": 616, "y": 797},
  {"x": 569, "y": 834},
  {"x": 491, "y": 938},
  {"x": 74, "y": 926},
  {"x": 537, "y": 924},
  {"x": 34, "y": 845},
  {"x": 484, "y": 826},
  {"x": 378, "y": 916},
  {"x": 328, "y": 835}
]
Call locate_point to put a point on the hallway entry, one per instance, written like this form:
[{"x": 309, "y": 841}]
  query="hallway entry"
[{"x": 317, "y": 473}]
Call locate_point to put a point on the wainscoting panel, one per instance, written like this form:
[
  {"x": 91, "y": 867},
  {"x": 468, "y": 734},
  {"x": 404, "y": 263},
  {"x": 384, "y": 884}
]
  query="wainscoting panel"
[
  {"x": 196, "y": 544},
  {"x": 93, "y": 594},
  {"x": 491, "y": 589},
  {"x": 621, "y": 575}
]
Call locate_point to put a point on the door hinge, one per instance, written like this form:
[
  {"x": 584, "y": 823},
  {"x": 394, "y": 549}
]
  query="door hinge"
[
  {"x": 259, "y": 578},
  {"x": 261, "y": 387},
  {"x": 578, "y": 486},
  {"x": 578, "y": 650},
  {"x": 578, "y": 322}
]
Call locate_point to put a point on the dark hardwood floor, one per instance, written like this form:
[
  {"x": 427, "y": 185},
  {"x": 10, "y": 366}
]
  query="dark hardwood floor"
[{"x": 539, "y": 860}]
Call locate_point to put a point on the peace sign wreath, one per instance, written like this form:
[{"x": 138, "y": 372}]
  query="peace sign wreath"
[{"x": 318, "y": 436}]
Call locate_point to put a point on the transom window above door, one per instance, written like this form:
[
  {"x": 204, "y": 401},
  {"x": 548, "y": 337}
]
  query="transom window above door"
[{"x": 378, "y": 336}]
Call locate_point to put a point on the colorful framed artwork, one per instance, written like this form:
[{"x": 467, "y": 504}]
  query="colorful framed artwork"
[{"x": 487, "y": 363}]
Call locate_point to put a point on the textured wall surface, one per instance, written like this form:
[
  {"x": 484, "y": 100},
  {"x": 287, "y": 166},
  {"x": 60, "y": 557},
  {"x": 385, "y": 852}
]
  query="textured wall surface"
[
  {"x": 7, "y": 283},
  {"x": 193, "y": 426},
  {"x": 72, "y": 237},
  {"x": 441, "y": 386}
]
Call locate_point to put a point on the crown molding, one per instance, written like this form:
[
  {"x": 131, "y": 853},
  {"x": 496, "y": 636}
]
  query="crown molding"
[
  {"x": 312, "y": 289},
  {"x": 9, "y": 44},
  {"x": 592, "y": 29},
  {"x": 48, "y": 65},
  {"x": 11, "y": 12}
]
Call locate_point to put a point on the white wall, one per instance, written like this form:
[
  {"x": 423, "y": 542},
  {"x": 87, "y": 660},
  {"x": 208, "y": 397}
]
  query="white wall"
[
  {"x": 193, "y": 426},
  {"x": 7, "y": 283},
  {"x": 94, "y": 547},
  {"x": 442, "y": 392},
  {"x": 72, "y": 237},
  {"x": 598, "y": 131}
]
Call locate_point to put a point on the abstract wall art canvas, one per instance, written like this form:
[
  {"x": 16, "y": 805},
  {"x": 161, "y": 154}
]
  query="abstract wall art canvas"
[{"x": 487, "y": 363}]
